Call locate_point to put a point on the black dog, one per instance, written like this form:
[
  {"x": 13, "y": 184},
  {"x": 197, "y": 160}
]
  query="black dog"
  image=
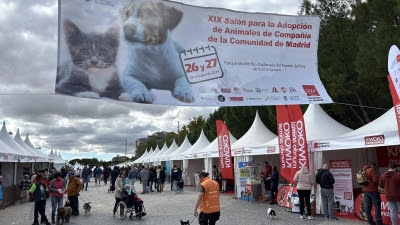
[{"x": 184, "y": 222}]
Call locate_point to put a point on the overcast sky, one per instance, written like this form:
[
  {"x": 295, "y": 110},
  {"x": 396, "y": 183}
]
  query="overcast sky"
[{"x": 79, "y": 127}]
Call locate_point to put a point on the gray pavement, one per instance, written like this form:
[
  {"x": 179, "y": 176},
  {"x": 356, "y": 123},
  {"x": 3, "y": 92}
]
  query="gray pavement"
[{"x": 164, "y": 209}]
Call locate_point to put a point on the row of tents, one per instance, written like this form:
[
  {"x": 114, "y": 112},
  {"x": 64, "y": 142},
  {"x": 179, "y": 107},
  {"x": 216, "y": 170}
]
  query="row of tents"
[{"x": 324, "y": 135}]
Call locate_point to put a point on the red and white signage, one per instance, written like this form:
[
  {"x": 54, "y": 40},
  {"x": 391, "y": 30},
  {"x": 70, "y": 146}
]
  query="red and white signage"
[
  {"x": 387, "y": 155},
  {"x": 394, "y": 68},
  {"x": 374, "y": 140},
  {"x": 343, "y": 187},
  {"x": 284, "y": 142},
  {"x": 385, "y": 213},
  {"x": 299, "y": 142},
  {"x": 224, "y": 150}
]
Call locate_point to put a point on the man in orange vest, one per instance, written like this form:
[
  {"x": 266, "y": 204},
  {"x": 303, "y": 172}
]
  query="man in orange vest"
[{"x": 208, "y": 200}]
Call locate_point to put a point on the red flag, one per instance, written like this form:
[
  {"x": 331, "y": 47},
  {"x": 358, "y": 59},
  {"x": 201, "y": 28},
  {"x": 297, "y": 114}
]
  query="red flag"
[
  {"x": 285, "y": 142},
  {"x": 224, "y": 150},
  {"x": 396, "y": 102},
  {"x": 299, "y": 142}
]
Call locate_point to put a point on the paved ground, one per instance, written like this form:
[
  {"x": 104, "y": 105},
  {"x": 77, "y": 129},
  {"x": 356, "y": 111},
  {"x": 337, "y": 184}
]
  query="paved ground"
[{"x": 164, "y": 209}]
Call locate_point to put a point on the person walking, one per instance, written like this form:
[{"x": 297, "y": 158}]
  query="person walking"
[
  {"x": 305, "y": 181},
  {"x": 151, "y": 179},
  {"x": 114, "y": 176},
  {"x": 390, "y": 182},
  {"x": 274, "y": 184},
  {"x": 57, "y": 187},
  {"x": 326, "y": 180},
  {"x": 119, "y": 187},
  {"x": 132, "y": 176},
  {"x": 73, "y": 189},
  {"x": 371, "y": 194},
  {"x": 144, "y": 177},
  {"x": 208, "y": 201},
  {"x": 175, "y": 177},
  {"x": 163, "y": 176},
  {"x": 106, "y": 174},
  {"x": 1, "y": 192},
  {"x": 39, "y": 189},
  {"x": 158, "y": 180},
  {"x": 24, "y": 189},
  {"x": 97, "y": 174},
  {"x": 85, "y": 176}
]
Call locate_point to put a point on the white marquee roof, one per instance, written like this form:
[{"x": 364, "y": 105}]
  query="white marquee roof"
[
  {"x": 7, "y": 154},
  {"x": 200, "y": 144},
  {"x": 171, "y": 149},
  {"x": 150, "y": 157},
  {"x": 20, "y": 142},
  {"x": 24, "y": 154},
  {"x": 156, "y": 155},
  {"x": 139, "y": 160},
  {"x": 144, "y": 159},
  {"x": 255, "y": 136},
  {"x": 28, "y": 142},
  {"x": 184, "y": 146}
]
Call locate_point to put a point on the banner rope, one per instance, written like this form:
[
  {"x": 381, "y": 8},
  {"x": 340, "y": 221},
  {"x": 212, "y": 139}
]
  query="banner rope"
[{"x": 361, "y": 106}]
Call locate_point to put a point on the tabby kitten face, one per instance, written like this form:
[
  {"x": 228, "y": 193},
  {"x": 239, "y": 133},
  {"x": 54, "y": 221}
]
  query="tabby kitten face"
[{"x": 91, "y": 51}]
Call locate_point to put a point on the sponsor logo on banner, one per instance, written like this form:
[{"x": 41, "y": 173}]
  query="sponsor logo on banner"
[
  {"x": 207, "y": 98},
  {"x": 202, "y": 89},
  {"x": 247, "y": 151},
  {"x": 5, "y": 156},
  {"x": 292, "y": 90},
  {"x": 261, "y": 90},
  {"x": 283, "y": 89},
  {"x": 340, "y": 164},
  {"x": 374, "y": 140},
  {"x": 236, "y": 99},
  {"x": 247, "y": 90},
  {"x": 253, "y": 99},
  {"x": 275, "y": 90},
  {"x": 322, "y": 144},
  {"x": 310, "y": 90},
  {"x": 221, "y": 98},
  {"x": 271, "y": 149},
  {"x": 236, "y": 90},
  {"x": 225, "y": 90},
  {"x": 294, "y": 98},
  {"x": 272, "y": 98}
]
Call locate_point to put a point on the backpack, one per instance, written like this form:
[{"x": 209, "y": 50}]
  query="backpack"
[{"x": 362, "y": 177}]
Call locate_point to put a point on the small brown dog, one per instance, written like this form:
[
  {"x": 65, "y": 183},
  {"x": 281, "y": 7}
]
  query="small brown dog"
[{"x": 64, "y": 213}]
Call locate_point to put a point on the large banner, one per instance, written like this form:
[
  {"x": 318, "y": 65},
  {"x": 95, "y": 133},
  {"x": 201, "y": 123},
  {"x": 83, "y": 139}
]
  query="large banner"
[
  {"x": 387, "y": 155},
  {"x": 224, "y": 150},
  {"x": 343, "y": 188},
  {"x": 162, "y": 52},
  {"x": 299, "y": 141},
  {"x": 396, "y": 102},
  {"x": 284, "y": 142},
  {"x": 394, "y": 69}
]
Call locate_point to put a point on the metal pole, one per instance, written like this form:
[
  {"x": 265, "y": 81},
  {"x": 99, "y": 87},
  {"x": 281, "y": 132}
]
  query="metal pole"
[{"x": 126, "y": 146}]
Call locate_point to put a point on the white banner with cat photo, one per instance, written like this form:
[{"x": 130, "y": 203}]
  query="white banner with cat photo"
[
  {"x": 169, "y": 53},
  {"x": 343, "y": 187}
]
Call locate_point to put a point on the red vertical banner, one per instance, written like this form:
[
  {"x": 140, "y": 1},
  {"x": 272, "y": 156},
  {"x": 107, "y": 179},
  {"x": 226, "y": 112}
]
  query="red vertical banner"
[
  {"x": 396, "y": 102},
  {"x": 224, "y": 150},
  {"x": 299, "y": 141},
  {"x": 285, "y": 142}
]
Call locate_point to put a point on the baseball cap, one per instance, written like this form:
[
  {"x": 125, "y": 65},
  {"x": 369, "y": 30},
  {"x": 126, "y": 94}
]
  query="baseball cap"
[
  {"x": 203, "y": 174},
  {"x": 71, "y": 174}
]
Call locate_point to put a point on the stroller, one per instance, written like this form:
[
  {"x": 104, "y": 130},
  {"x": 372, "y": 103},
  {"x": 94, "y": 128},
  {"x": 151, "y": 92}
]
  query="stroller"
[{"x": 130, "y": 204}]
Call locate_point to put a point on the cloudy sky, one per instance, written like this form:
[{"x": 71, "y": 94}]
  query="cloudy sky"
[{"x": 79, "y": 127}]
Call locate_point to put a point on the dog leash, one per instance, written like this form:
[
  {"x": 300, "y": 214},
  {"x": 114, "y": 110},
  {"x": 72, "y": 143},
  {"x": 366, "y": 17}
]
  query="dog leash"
[
  {"x": 192, "y": 220},
  {"x": 82, "y": 199}
]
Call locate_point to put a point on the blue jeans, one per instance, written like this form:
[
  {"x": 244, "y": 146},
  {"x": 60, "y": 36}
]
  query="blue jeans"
[
  {"x": 373, "y": 197},
  {"x": 85, "y": 183},
  {"x": 55, "y": 203},
  {"x": 175, "y": 185},
  {"x": 327, "y": 203},
  {"x": 132, "y": 183},
  {"x": 394, "y": 207}
]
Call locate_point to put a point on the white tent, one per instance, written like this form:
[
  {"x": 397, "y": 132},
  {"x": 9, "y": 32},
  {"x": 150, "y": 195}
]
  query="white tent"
[
  {"x": 184, "y": 146},
  {"x": 155, "y": 152},
  {"x": 23, "y": 154},
  {"x": 211, "y": 150},
  {"x": 200, "y": 144},
  {"x": 171, "y": 149},
  {"x": 28, "y": 142},
  {"x": 139, "y": 160},
  {"x": 144, "y": 159},
  {"x": 380, "y": 132},
  {"x": 157, "y": 158},
  {"x": 6, "y": 154},
  {"x": 20, "y": 142},
  {"x": 255, "y": 136}
]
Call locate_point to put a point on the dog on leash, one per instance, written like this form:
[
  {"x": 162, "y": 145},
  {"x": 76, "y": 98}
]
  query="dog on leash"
[
  {"x": 64, "y": 213},
  {"x": 184, "y": 222},
  {"x": 154, "y": 61},
  {"x": 271, "y": 214},
  {"x": 87, "y": 207}
]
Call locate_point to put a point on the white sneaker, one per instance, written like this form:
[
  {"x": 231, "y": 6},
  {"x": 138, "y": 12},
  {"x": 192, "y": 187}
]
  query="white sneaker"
[
  {"x": 310, "y": 218},
  {"x": 301, "y": 217}
]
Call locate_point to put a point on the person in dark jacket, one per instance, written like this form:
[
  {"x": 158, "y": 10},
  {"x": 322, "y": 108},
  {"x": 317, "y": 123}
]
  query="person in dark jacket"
[
  {"x": 114, "y": 176},
  {"x": 152, "y": 177},
  {"x": 175, "y": 177},
  {"x": 325, "y": 179},
  {"x": 274, "y": 184},
  {"x": 39, "y": 188},
  {"x": 106, "y": 174},
  {"x": 390, "y": 182},
  {"x": 371, "y": 194}
]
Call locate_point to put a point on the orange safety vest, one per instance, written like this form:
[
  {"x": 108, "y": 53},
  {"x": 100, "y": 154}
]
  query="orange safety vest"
[{"x": 210, "y": 201}]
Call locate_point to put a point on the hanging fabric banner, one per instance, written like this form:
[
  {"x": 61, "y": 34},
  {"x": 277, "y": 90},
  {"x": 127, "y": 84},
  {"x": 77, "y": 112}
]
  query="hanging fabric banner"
[
  {"x": 285, "y": 142},
  {"x": 224, "y": 150},
  {"x": 396, "y": 103},
  {"x": 147, "y": 51},
  {"x": 299, "y": 141}
]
